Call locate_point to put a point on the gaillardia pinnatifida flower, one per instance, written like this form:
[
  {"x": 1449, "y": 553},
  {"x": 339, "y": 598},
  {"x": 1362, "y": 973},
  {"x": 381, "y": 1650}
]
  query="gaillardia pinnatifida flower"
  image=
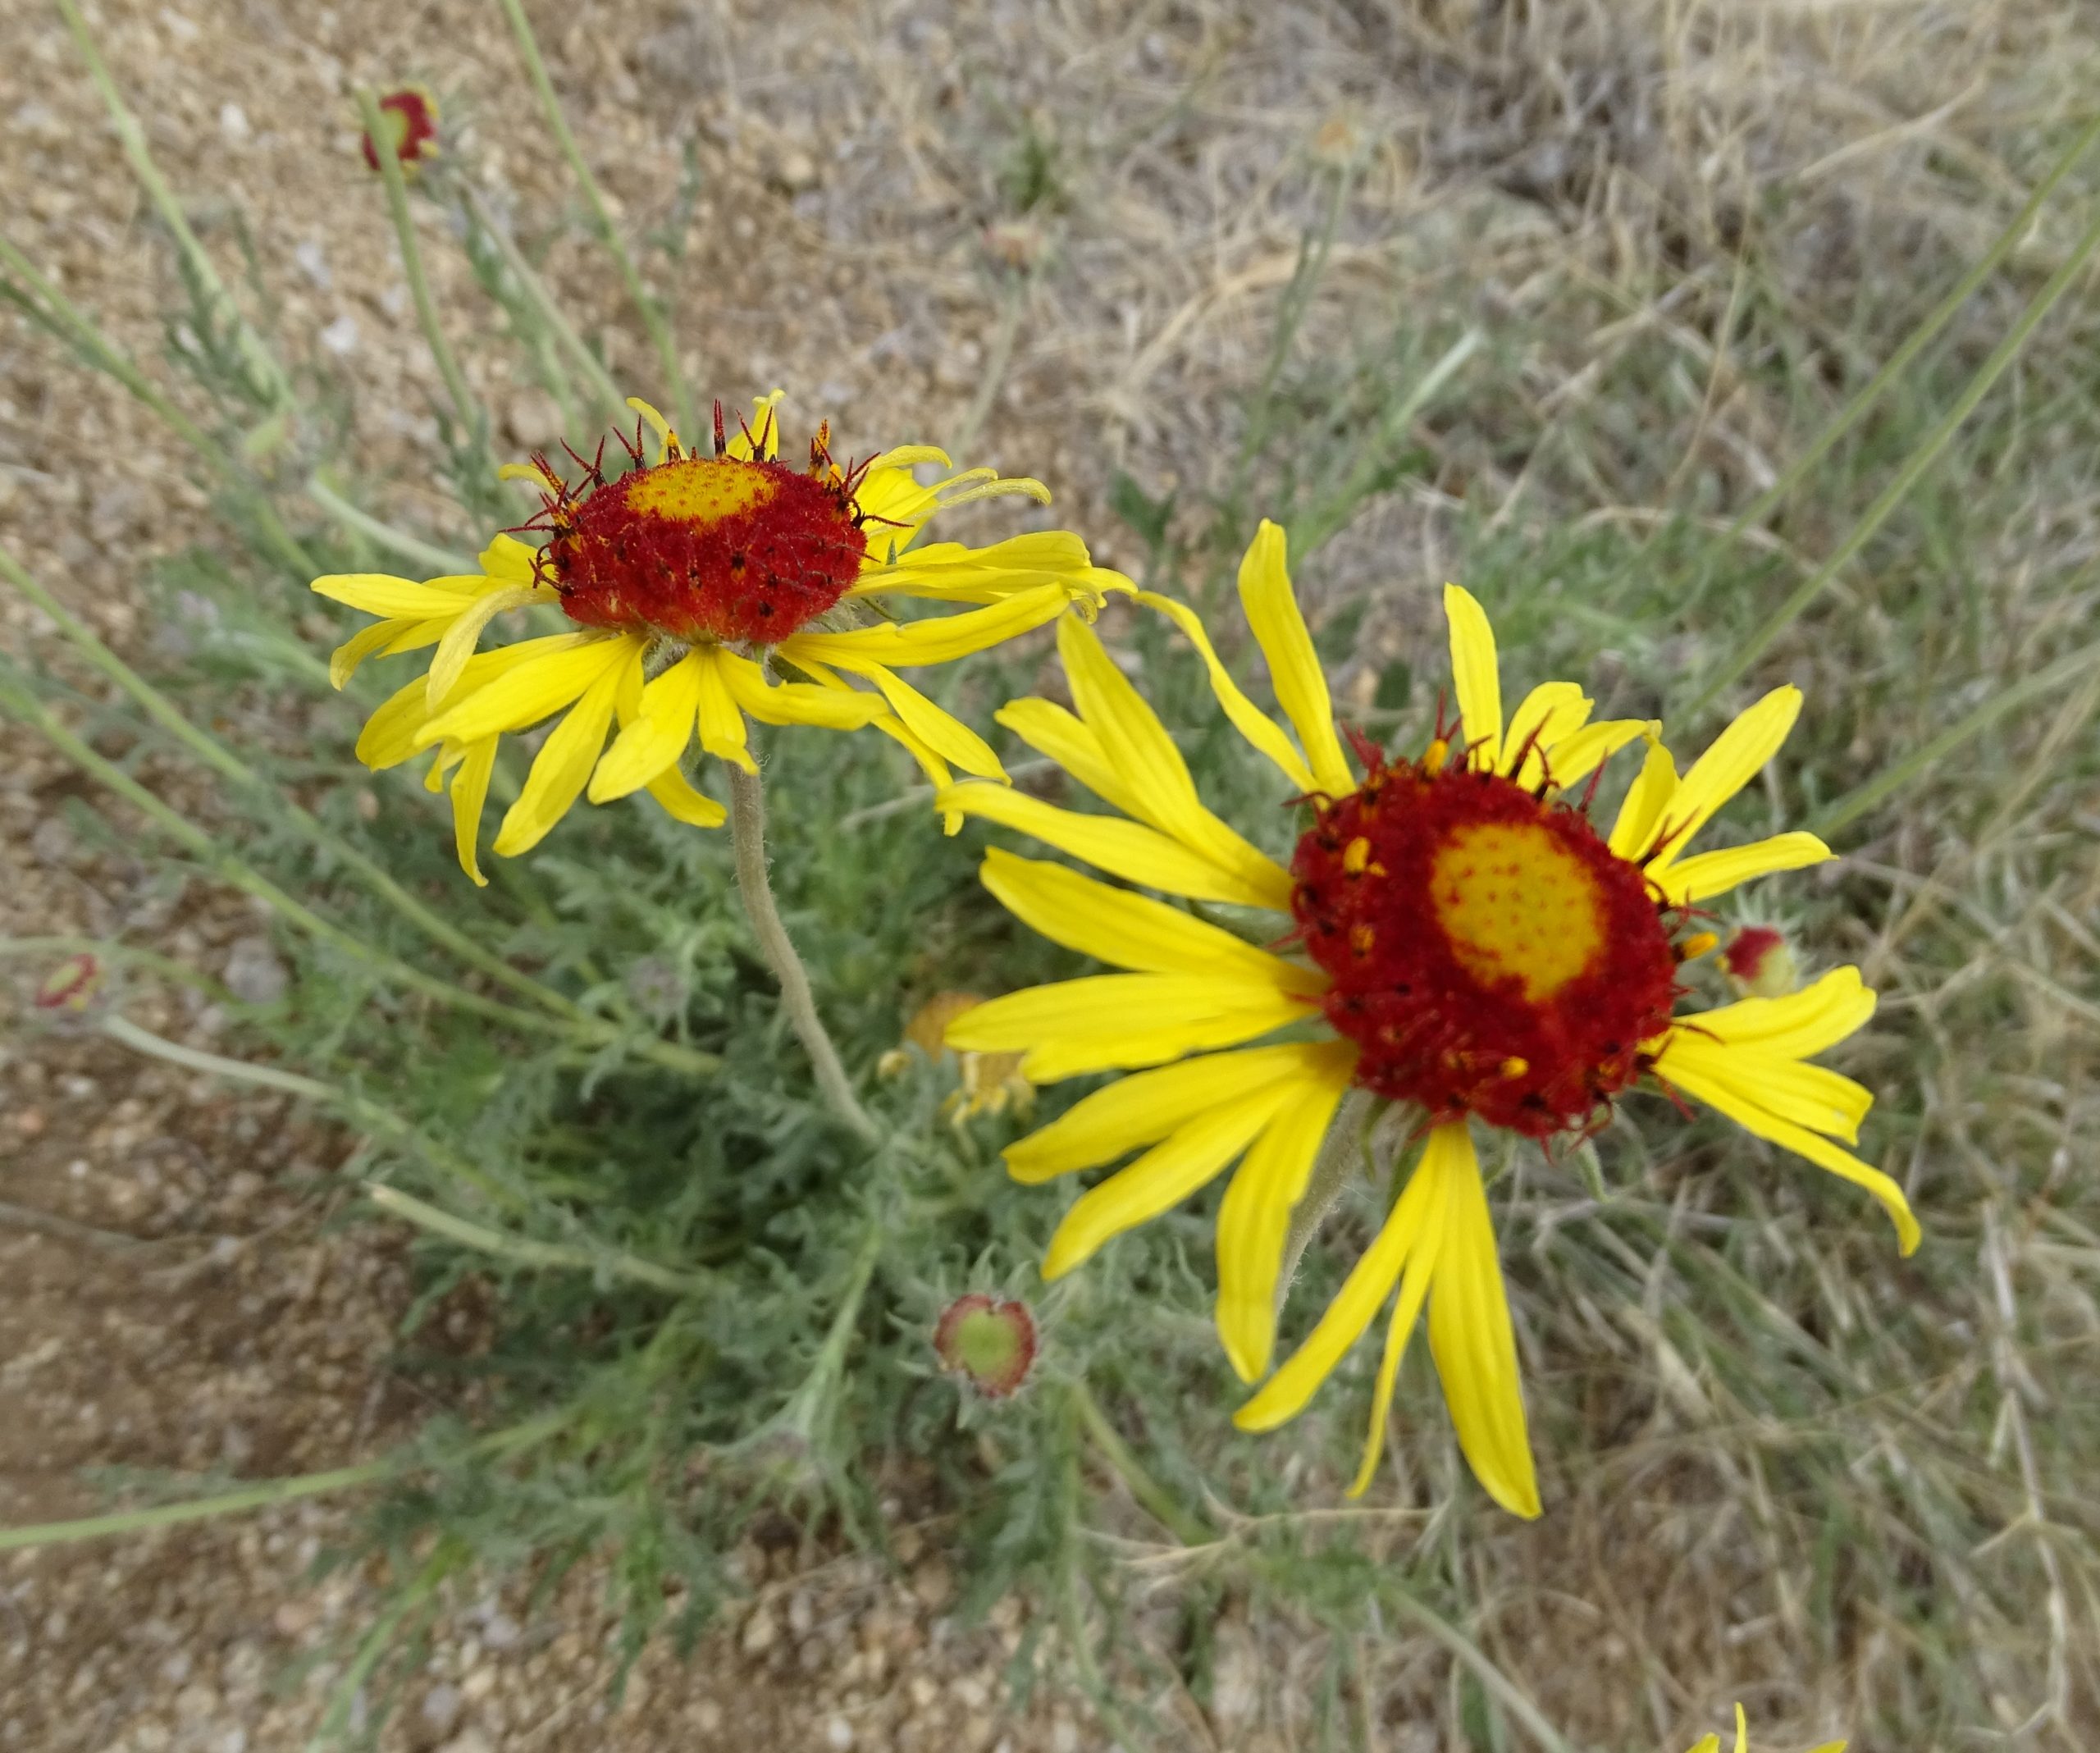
[
  {"x": 687, "y": 582},
  {"x": 409, "y": 120},
  {"x": 1463, "y": 940}
]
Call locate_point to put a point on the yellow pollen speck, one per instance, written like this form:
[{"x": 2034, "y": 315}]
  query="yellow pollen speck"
[
  {"x": 1515, "y": 1066},
  {"x": 1356, "y": 855},
  {"x": 1361, "y": 938},
  {"x": 1696, "y": 945},
  {"x": 1435, "y": 755},
  {"x": 1516, "y": 904},
  {"x": 700, "y": 490}
]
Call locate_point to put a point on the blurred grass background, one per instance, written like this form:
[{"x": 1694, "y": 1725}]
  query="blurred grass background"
[{"x": 1539, "y": 298}]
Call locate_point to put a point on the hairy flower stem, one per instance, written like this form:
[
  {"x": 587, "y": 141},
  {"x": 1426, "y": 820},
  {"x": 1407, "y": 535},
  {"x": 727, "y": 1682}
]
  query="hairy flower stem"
[
  {"x": 1349, "y": 1135},
  {"x": 748, "y": 827}
]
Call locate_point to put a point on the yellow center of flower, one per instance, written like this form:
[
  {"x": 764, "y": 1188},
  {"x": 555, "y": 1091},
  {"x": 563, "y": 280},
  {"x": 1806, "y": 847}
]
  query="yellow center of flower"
[
  {"x": 700, "y": 490},
  {"x": 1516, "y": 904}
]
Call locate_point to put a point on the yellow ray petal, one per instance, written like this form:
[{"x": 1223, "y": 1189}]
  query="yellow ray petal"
[
  {"x": 401, "y": 598},
  {"x": 1295, "y": 672},
  {"x": 1406, "y": 1227},
  {"x": 465, "y": 632},
  {"x": 1576, "y": 757},
  {"x": 657, "y": 735},
  {"x": 672, "y": 790},
  {"x": 509, "y": 560},
  {"x": 1103, "y": 1021},
  {"x": 954, "y": 571},
  {"x": 940, "y": 730},
  {"x": 938, "y": 639},
  {"x": 1721, "y": 1094},
  {"x": 1128, "y": 930},
  {"x": 1050, "y": 730},
  {"x": 1706, "y": 875},
  {"x": 390, "y": 734},
  {"x": 1475, "y": 676},
  {"x": 1147, "y": 1105},
  {"x": 1160, "y": 1179},
  {"x": 470, "y": 792},
  {"x": 1471, "y": 1339},
  {"x": 839, "y": 708},
  {"x": 1415, "y": 1281},
  {"x": 1811, "y": 1095},
  {"x": 1550, "y": 712},
  {"x": 1260, "y": 730},
  {"x": 1255, "y": 1215},
  {"x": 530, "y": 692},
  {"x": 1799, "y": 1025},
  {"x": 1126, "y": 849},
  {"x": 1640, "y": 815},
  {"x": 1732, "y": 760},
  {"x": 344, "y": 660},
  {"x": 563, "y": 764},
  {"x": 719, "y": 720},
  {"x": 1148, "y": 768}
]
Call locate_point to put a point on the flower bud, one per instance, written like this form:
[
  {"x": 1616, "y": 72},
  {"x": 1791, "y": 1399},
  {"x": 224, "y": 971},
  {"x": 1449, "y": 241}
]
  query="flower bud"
[
  {"x": 409, "y": 118},
  {"x": 992, "y": 1343},
  {"x": 1759, "y": 964},
  {"x": 73, "y": 985}
]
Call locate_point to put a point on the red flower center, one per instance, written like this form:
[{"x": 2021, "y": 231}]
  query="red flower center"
[
  {"x": 1489, "y": 954},
  {"x": 722, "y": 548}
]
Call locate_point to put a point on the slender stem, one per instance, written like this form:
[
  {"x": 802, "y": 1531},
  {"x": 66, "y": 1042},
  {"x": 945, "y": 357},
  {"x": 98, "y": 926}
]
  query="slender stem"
[
  {"x": 441, "y": 561},
  {"x": 265, "y": 1493},
  {"x": 1748, "y": 652},
  {"x": 1153, "y": 1497},
  {"x": 231, "y": 868},
  {"x": 550, "y": 311},
  {"x": 651, "y": 313},
  {"x": 270, "y": 375},
  {"x": 1862, "y": 798},
  {"x": 140, "y": 1040},
  {"x": 1341, "y": 1152},
  {"x": 748, "y": 827},
  {"x": 1470, "y": 1655},
  {"x": 472, "y": 422},
  {"x": 1919, "y": 339},
  {"x": 528, "y": 1252},
  {"x": 50, "y": 308},
  {"x": 273, "y": 802}
]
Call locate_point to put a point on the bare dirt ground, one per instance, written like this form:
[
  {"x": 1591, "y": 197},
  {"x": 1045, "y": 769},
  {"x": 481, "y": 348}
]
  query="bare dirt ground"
[{"x": 175, "y": 1295}]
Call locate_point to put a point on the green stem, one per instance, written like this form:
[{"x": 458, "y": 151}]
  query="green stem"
[
  {"x": 231, "y": 868},
  {"x": 50, "y": 308},
  {"x": 264, "y": 1495},
  {"x": 472, "y": 422},
  {"x": 1920, "y": 338},
  {"x": 550, "y": 311},
  {"x": 1862, "y": 798},
  {"x": 747, "y": 832},
  {"x": 527, "y": 1251},
  {"x": 441, "y": 562},
  {"x": 270, "y": 375},
  {"x": 1341, "y": 1154},
  {"x": 650, "y": 312},
  {"x": 1504, "y": 1690},
  {"x": 1748, "y": 652},
  {"x": 140, "y": 1040},
  {"x": 1150, "y": 1494},
  {"x": 274, "y": 803}
]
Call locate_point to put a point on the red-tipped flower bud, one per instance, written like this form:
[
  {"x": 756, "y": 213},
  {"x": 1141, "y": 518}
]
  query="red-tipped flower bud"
[
  {"x": 1761, "y": 964},
  {"x": 72, "y": 985},
  {"x": 409, "y": 119},
  {"x": 993, "y": 1343}
]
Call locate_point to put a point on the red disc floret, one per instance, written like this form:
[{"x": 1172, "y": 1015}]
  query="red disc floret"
[
  {"x": 1489, "y": 954},
  {"x": 729, "y": 548}
]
